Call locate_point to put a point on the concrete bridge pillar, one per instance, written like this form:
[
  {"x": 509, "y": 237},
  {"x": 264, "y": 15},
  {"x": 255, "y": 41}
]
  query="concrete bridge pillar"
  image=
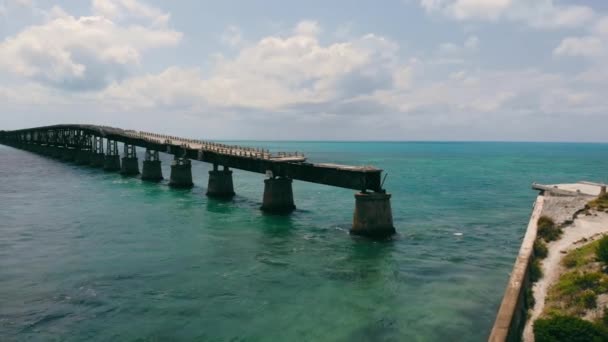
[
  {"x": 278, "y": 196},
  {"x": 83, "y": 156},
  {"x": 112, "y": 159},
  {"x": 111, "y": 163},
  {"x": 83, "y": 152},
  {"x": 220, "y": 183},
  {"x": 97, "y": 155},
  {"x": 55, "y": 151},
  {"x": 69, "y": 154},
  {"x": 130, "y": 164},
  {"x": 373, "y": 215},
  {"x": 45, "y": 149},
  {"x": 151, "y": 169},
  {"x": 181, "y": 173},
  {"x": 98, "y": 159}
]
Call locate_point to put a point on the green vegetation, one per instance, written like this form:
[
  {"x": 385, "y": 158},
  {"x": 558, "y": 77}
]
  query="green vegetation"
[
  {"x": 581, "y": 256},
  {"x": 576, "y": 292},
  {"x": 539, "y": 252},
  {"x": 540, "y": 249},
  {"x": 577, "y": 289},
  {"x": 588, "y": 299},
  {"x": 601, "y": 250},
  {"x": 529, "y": 297},
  {"x": 535, "y": 271},
  {"x": 572, "y": 283},
  {"x": 600, "y": 203},
  {"x": 572, "y": 311},
  {"x": 566, "y": 328},
  {"x": 547, "y": 229}
]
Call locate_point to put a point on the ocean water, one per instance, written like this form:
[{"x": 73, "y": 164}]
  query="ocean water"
[{"x": 89, "y": 255}]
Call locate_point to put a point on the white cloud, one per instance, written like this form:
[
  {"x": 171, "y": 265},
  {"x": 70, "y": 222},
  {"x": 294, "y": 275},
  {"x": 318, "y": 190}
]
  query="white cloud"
[
  {"x": 482, "y": 9},
  {"x": 464, "y": 95},
  {"x": 232, "y": 36},
  {"x": 23, "y": 3},
  {"x": 566, "y": 16},
  {"x": 175, "y": 87},
  {"x": 593, "y": 45},
  {"x": 79, "y": 53},
  {"x": 470, "y": 44},
  {"x": 601, "y": 27},
  {"x": 125, "y": 9},
  {"x": 307, "y": 28},
  {"x": 275, "y": 73},
  {"x": 358, "y": 77},
  {"x": 299, "y": 76},
  {"x": 589, "y": 46},
  {"x": 538, "y": 13}
]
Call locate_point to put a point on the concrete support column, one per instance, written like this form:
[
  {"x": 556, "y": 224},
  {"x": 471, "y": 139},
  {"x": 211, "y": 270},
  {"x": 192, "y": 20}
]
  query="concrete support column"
[
  {"x": 97, "y": 155},
  {"x": 130, "y": 164},
  {"x": 55, "y": 152},
  {"x": 278, "y": 196},
  {"x": 220, "y": 183},
  {"x": 181, "y": 173},
  {"x": 112, "y": 159},
  {"x": 69, "y": 154},
  {"x": 47, "y": 150},
  {"x": 111, "y": 163},
  {"x": 151, "y": 170},
  {"x": 373, "y": 215},
  {"x": 98, "y": 159},
  {"x": 83, "y": 157}
]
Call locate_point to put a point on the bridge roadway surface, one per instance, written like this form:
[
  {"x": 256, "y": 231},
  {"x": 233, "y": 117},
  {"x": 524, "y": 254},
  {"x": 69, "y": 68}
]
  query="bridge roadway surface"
[{"x": 281, "y": 164}]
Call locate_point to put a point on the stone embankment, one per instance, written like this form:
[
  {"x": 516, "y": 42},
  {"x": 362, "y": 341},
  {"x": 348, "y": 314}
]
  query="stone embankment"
[{"x": 562, "y": 203}]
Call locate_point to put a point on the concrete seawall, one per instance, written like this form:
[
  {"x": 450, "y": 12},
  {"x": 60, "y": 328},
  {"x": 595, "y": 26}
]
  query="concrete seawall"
[{"x": 512, "y": 314}]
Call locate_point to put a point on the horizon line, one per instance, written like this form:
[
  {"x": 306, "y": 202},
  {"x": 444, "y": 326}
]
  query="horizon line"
[{"x": 414, "y": 141}]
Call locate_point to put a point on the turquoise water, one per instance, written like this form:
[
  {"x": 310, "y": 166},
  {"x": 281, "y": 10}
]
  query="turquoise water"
[{"x": 88, "y": 255}]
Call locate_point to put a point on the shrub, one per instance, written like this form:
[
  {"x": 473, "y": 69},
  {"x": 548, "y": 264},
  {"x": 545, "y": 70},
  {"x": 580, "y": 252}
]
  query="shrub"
[
  {"x": 588, "y": 299},
  {"x": 535, "y": 271},
  {"x": 580, "y": 256},
  {"x": 599, "y": 203},
  {"x": 568, "y": 328},
  {"x": 602, "y": 250},
  {"x": 540, "y": 249},
  {"x": 547, "y": 229},
  {"x": 529, "y": 297}
]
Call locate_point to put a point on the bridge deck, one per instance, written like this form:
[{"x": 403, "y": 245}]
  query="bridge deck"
[{"x": 283, "y": 164}]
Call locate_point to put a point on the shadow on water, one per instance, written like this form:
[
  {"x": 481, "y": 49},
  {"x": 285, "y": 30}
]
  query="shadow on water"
[
  {"x": 364, "y": 262},
  {"x": 277, "y": 225},
  {"x": 367, "y": 267},
  {"x": 276, "y": 240},
  {"x": 222, "y": 205}
]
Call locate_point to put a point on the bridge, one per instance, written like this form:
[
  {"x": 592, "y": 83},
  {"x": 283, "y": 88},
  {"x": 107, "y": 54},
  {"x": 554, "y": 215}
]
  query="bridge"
[{"x": 97, "y": 146}]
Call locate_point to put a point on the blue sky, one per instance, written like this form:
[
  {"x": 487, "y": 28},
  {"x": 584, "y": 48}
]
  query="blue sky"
[{"x": 403, "y": 70}]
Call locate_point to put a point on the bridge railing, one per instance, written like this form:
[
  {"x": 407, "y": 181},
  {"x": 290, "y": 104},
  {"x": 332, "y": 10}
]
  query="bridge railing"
[{"x": 235, "y": 150}]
